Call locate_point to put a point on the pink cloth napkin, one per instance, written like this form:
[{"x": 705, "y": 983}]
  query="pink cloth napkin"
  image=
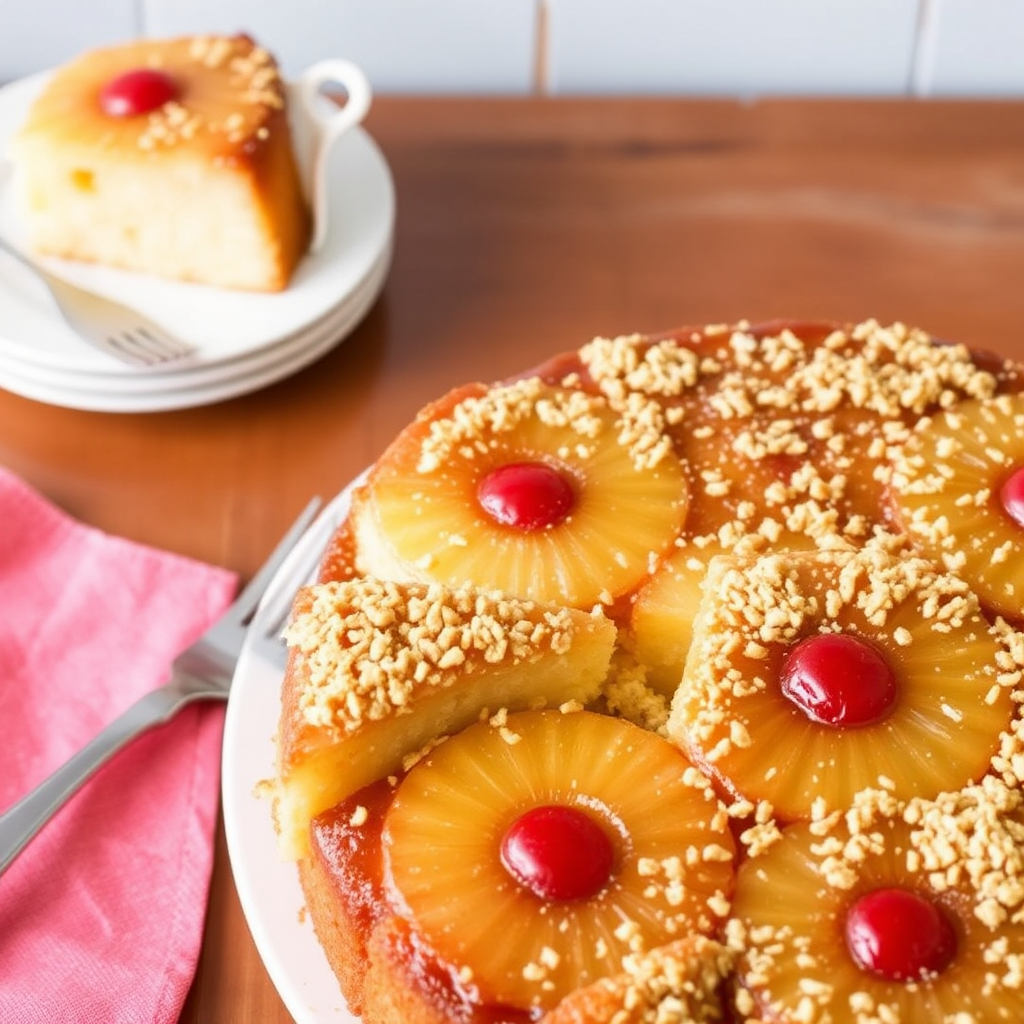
[{"x": 101, "y": 916}]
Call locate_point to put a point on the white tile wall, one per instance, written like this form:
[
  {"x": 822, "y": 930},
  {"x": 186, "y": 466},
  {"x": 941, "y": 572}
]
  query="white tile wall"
[
  {"x": 437, "y": 46},
  {"x": 38, "y": 34},
  {"x": 703, "y": 47},
  {"x": 729, "y": 47},
  {"x": 971, "y": 48}
]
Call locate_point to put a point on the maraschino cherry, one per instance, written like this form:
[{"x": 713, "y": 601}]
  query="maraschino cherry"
[
  {"x": 1011, "y": 495},
  {"x": 899, "y": 935},
  {"x": 558, "y": 853},
  {"x": 137, "y": 92},
  {"x": 527, "y": 495},
  {"x": 839, "y": 680}
]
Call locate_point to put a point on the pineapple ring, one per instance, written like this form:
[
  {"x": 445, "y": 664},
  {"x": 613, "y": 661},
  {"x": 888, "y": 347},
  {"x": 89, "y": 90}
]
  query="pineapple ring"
[
  {"x": 420, "y": 516},
  {"x": 731, "y": 715},
  {"x": 673, "y": 860},
  {"x": 946, "y": 485},
  {"x": 790, "y": 910},
  {"x": 661, "y": 620}
]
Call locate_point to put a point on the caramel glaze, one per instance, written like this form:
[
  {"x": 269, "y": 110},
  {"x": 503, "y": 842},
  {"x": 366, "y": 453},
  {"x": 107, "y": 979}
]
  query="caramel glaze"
[
  {"x": 338, "y": 562},
  {"x": 378, "y": 957}
]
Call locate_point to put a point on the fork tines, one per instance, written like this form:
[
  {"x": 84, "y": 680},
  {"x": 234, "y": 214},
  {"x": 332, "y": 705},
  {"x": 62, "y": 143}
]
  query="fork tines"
[{"x": 148, "y": 346}]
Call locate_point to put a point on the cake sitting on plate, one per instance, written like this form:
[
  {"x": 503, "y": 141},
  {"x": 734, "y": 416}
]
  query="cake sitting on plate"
[
  {"x": 172, "y": 158},
  {"x": 678, "y": 680}
]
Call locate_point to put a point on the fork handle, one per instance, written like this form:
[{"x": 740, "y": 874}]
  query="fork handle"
[
  {"x": 20, "y": 823},
  {"x": 40, "y": 275}
]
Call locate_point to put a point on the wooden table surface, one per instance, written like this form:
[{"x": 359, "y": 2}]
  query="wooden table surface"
[{"x": 529, "y": 226}]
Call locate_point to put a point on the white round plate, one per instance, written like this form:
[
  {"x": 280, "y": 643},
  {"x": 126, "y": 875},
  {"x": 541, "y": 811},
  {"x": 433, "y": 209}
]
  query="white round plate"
[
  {"x": 268, "y": 887},
  {"x": 285, "y": 361},
  {"x": 190, "y": 377},
  {"x": 224, "y": 324}
]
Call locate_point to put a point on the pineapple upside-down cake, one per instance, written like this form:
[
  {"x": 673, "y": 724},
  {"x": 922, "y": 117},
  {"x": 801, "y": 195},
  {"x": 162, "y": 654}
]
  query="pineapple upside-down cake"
[{"x": 677, "y": 681}]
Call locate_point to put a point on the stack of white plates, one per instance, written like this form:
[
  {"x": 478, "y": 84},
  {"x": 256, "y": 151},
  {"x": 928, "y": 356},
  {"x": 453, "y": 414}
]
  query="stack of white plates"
[{"x": 245, "y": 341}]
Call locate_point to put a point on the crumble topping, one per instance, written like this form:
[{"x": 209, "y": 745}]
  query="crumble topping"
[
  {"x": 369, "y": 644},
  {"x": 887, "y": 370},
  {"x": 681, "y": 983},
  {"x": 475, "y": 423},
  {"x": 974, "y": 837},
  {"x": 788, "y": 392},
  {"x": 253, "y": 77}
]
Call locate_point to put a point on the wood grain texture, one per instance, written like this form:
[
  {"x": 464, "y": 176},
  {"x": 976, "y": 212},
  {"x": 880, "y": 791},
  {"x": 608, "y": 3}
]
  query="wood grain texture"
[{"x": 529, "y": 226}]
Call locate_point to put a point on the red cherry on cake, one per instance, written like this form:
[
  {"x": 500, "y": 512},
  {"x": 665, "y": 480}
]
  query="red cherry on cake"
[
  {"x": 899, "y": 935},
  {"x": 839, "y": 680},
  {"x": 137, "y": 92},
  {"x": 558, "y": 853},
  {"x": 526, "y": 495},
  {"x": 1011, "y": 496}
]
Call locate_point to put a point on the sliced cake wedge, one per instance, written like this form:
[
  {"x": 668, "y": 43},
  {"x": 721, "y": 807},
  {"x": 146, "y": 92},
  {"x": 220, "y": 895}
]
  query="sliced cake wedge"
[{"x": 379, "y": 670}]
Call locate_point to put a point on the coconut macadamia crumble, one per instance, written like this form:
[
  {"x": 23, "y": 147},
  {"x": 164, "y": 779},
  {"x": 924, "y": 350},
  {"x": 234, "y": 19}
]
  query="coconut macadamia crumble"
[
  {"x": 824, "y": 406},
  {"x": 256, "y": 90},
  {"x": 477, "y": 423},
  {"x": 680, "y": 983},
  {"x": 369, "y": 644}
]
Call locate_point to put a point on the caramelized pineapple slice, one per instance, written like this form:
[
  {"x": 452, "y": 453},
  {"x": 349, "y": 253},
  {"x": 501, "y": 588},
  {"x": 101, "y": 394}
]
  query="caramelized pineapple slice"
[
  {"x": 855, "y": 928},
  {"x": 378, "y": 670},
  {"x": 958, "y": 487},
  {"x": 661, "y": 619},
  {"x": 558, "y": 844},
  {"x": 813, "y": 676},
  {"x": 541, "y": 492}
]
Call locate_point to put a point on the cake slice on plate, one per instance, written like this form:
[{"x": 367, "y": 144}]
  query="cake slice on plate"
[{"x": 172, "y": 158}]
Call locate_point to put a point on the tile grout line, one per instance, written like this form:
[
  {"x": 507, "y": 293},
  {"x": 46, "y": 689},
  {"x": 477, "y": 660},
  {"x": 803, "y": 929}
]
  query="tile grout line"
[
  {"x": 541, "y": 83},
  {"x": 922, "y": 60}
]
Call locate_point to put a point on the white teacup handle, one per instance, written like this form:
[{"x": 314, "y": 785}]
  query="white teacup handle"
[{"x": 329, "y": 122}]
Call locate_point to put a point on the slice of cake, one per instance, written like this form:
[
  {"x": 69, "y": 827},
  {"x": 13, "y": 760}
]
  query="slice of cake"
[
  {"x": 171, "y": 158},
  {"x": 378, "y": 670}
]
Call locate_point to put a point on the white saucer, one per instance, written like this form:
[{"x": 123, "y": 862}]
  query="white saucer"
[
  {"x": 189, "y": 374},
  {"x": 228, "y": 327},
  {"x": 166, "y": 392}
]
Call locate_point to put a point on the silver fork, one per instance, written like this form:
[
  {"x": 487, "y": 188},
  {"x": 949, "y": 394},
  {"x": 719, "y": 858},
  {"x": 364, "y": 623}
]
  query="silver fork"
[
  {"x": 202, "y": 671},
  {"x": 118, "y": 330}
]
